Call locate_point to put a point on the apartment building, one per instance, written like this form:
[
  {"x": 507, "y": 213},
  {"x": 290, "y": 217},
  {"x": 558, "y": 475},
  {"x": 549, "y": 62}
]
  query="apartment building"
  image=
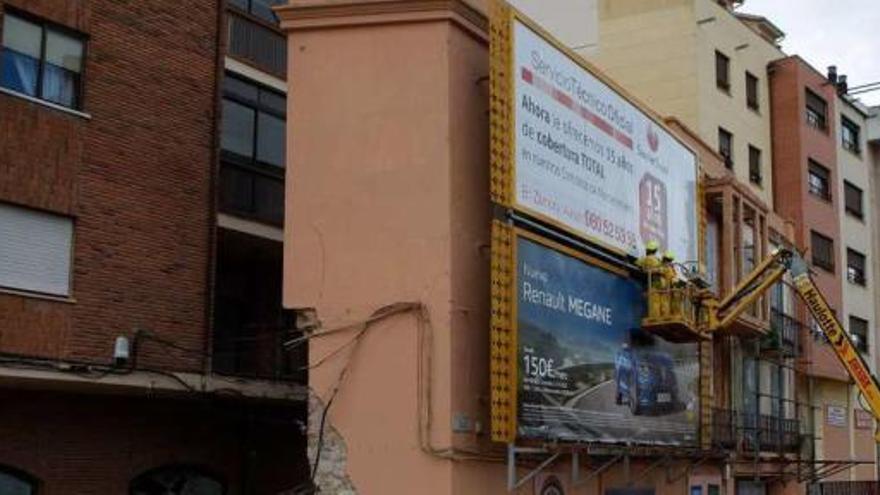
[
  {"x": 702, "y": 63},
  {"x": 141, "y": 201},
  {"x": 773, "y": 118},
  {"x": 855, "y": 188},
  {"x": 431, "y": 249}
]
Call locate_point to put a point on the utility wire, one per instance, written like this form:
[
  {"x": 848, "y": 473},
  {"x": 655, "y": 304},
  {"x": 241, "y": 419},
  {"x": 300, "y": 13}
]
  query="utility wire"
[{"x": 425, "y": 344}]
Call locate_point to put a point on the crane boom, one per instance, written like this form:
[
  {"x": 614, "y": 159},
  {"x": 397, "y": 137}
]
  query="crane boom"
[
  {"x": 786, "y": 260},
  {"x": 840, "y": 341},
  {"x": 682, "y": 313}
]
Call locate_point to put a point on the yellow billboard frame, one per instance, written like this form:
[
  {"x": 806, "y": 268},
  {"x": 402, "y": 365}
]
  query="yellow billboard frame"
[{"x": 504, "y": 338}]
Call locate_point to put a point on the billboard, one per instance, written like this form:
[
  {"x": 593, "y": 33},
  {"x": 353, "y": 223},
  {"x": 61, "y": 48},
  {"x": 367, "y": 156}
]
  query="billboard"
[
  {"x": 570, "y": 149},
  {"x": 581, "y": 370}
]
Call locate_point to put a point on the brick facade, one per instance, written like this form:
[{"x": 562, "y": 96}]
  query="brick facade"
[
  {"x": 135, "y": 170},
  {"x": 139, "y": 262},
  {"x": 60, "y": 440},
  {"x": 795, "y": 144}
]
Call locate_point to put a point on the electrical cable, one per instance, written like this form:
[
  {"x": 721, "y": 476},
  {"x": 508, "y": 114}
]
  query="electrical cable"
[
  {"x": 148, "y": 334},
  {"x": 424, "y": 399}
]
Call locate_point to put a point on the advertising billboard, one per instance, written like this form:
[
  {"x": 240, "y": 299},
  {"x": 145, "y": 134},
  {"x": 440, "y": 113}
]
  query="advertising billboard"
[
  {"x": 581, "y": 155},
  {"x": 587, "y": 373},
  {"x": 581, "y": 368}
]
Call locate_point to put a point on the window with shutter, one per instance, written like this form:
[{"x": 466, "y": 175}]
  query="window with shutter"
[
  {"x": 35, "y": 250},
  {"x": 853, "y": 199},
  {"x": 817, "y": 111},
  {"x": 823, "y": 251}
]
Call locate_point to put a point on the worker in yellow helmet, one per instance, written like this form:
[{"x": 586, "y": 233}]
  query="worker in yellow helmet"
[
  {"x": 650, "y": 263},
  {"x": 650, "y": 259}
]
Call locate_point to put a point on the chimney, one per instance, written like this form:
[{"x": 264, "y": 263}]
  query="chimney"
[
  {"x": 832, "y": 74},
  {"x": 842, "y": 87}
]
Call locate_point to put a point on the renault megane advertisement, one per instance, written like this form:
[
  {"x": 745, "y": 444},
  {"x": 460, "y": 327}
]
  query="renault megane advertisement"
[{"x": 587, "y": 373}]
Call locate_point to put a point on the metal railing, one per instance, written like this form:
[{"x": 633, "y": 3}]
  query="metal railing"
[
  {"x": 252, "y": 192},
  {"x": 746, "y": 432},
  {"x": 845, "y": 488},
  {"x": 257, "y": 351},
  {"x": 783, "y": 336},
  {"x": 263, "y": 46}
]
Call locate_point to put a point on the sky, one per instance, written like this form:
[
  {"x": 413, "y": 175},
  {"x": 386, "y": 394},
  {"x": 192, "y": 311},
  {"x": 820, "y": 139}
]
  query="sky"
[{"x": 845, "y": 33}]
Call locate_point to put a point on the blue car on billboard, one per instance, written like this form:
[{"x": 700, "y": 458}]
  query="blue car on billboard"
[{"x": 645, "y": 380}]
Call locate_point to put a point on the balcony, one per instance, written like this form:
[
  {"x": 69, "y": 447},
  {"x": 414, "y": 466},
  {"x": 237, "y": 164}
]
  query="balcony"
[
  {"x": 783, "y": 336},
  {"x": 256, "y": 43},
  {"x": 845, "y": 488},
  {"x": 252, "y": 192},
  {"x": 250, "y": 326},
  {"x": 748, "y": 432},
  {"x": 254, "y": 351}
]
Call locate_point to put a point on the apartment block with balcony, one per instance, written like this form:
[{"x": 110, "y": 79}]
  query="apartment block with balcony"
[
  {"x": 140, "y": 316},
  {"x": 752, "y": 411}
]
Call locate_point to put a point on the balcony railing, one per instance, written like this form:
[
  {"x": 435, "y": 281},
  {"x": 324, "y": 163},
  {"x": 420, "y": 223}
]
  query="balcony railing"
[
  {"x": 258, "y": 352},
  {"x": 257, "y": 43},
  {"x": 845, "y": 488},
  {"x": 783, "y": 336},
  {"x": 747, "y": 432},
  {"x": 252, "y": 192}
]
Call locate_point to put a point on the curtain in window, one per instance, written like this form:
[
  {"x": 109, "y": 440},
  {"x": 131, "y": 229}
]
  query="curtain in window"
[
  {"x": 60, "y": 85},
  {"x": 22, "y": 44},
  {"x": 62, "y": 68},
  {"x": 20, "y": 72}
]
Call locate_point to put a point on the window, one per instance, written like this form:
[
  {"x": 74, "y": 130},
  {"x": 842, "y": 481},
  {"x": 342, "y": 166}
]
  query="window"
[
  {"x": 253, "y": 123},
  {"x": 855, "y": 267},
  {"x": 177, "y": 480},
  {"x": 35, "y": 251},
  {"x": 819, "y": 178},
  {"x": 853, "y": 198},
  {"x": 752, "y": 91},
  {"x": 756, "y": 175},
  {"x": 252, "y": 140},
  {"x": 259, "y": 8},
  {"x": 41, "y": 61},
  {"x": 858, "y": 331},
  {"x": 823, "y": 251},
  {"x": 817, "y": 111},
  {"x": 15, "y": 482},
  {"x": 722, "y": 71},
  {"x": 850, "y": 135},
  {"x": 725, "y": 147}
]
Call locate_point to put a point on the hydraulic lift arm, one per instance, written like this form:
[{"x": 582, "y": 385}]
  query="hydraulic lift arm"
[{"x": 771, "y": 271}]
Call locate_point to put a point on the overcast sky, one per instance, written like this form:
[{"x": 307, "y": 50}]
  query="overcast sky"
[{"x": 845, "y": 33}]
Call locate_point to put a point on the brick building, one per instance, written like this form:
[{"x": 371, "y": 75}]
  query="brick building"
[{"x": 141, "y": 171}]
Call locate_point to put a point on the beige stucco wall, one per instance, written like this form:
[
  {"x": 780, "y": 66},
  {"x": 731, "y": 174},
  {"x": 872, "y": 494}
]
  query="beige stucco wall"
[
  {"x": 574, "y": 22},
  {"x": 664, "y": 53},
  {"x": 648, "y": 48},
  {"x": 832, "y": 442},
  {"x": 857, "y": 234},
  {"x": 747, "y": 52}
]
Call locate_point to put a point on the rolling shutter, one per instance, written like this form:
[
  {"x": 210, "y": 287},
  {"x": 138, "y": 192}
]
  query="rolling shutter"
[{"x": 35, "y": 250}]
